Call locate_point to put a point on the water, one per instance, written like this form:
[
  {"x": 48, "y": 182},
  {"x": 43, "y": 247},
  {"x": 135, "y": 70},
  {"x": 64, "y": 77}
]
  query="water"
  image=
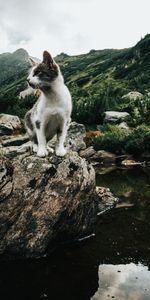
[
  {"x": 123, "y": 282},
  {"x": 112, "y": 265}
]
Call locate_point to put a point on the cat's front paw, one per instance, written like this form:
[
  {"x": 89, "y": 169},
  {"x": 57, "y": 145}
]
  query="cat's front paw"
[
  {"x": 61, "y": 151},
  {"x": 42, "y": 152}
]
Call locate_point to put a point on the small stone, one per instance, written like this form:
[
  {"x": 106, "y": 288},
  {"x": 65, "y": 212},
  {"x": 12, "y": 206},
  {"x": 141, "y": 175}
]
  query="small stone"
[
  {"x": 104, "y": 156},
  {"x": 43, "y": 296},
  {"x": 87, "y": 152},
  {"x": 30, "y": 166},
  {"x": 130, "y": 162},
  {"x": 9, "y": 124},
  {"x": 124, "y": 126}
]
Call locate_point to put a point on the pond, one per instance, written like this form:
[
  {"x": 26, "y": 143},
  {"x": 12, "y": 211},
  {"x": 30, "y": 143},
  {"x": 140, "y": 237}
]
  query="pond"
[{"x": 113, "y": 264}]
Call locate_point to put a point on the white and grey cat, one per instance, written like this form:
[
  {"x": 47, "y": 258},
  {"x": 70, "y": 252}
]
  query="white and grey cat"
[{"x": 51, "y": 113}]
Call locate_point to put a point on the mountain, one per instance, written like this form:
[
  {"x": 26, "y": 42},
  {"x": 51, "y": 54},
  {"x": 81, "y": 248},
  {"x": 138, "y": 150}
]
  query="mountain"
[
  {"x": 12, "y": 67},
  {"x": 106, "y": 65},
  {"x": 97, "y": 80}
]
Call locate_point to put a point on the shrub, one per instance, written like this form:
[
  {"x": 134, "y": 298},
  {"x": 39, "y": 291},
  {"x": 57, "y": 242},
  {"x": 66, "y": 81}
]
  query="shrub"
[
  {"x": 113, "y": 140},
  {"x": 119, "y": 141},
  {"x": 138, "y": 140}
]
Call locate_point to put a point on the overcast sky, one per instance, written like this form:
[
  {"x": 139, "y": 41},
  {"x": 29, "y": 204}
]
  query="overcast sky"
[{"x": 72, "y": 26}]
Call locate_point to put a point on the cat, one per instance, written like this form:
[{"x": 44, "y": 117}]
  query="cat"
[{"x": 51, "y": 114}]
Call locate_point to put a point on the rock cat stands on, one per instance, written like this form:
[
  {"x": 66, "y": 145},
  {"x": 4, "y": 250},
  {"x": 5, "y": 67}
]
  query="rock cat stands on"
[{"x": 51, "y": 113}]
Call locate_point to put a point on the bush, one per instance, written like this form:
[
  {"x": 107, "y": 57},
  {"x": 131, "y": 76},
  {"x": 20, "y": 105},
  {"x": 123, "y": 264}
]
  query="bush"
[
  {"x": 119, "y": 141},
  {"x": 16, "y": 106},
  {"x": 113, "y": 140},
  {"x": 138, "y": 140}
]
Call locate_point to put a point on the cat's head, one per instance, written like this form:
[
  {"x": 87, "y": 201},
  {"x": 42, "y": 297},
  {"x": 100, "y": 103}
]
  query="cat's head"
[{"x": 44, "y": 73}]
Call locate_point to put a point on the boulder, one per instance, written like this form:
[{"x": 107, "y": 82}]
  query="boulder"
[
  {"x": 133, "y": 96},
  {"x": 107, "y": 197},
  {"x": 104, "y": 157},
  {"x": 45, "y": 201},
  {"x": 124, "y": 126},
  {"x": 116, "y": 116},
  {"x": 9, "y": 124}
]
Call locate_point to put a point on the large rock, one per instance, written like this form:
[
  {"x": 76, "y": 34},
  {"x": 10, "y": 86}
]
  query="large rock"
[
  {"x": 116, "y": 116},
  {"x": 9, "y": 124},
  {"x": 45, "y": 201},
  {"x": 133, "y": 96}
]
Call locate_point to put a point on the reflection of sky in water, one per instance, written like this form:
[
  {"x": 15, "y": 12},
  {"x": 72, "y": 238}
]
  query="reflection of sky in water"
[{"x": 123, "y": 282}]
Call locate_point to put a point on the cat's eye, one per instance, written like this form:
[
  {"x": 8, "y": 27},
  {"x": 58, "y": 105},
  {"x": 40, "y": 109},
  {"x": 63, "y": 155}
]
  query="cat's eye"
[{"x": 36, "y": 73}]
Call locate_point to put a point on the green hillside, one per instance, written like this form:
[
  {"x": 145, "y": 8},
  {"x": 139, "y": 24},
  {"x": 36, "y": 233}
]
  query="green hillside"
[{"x": 97, "y": 81}]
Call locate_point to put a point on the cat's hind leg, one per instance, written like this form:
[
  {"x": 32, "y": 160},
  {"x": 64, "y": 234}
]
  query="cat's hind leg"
[
  {"x": 31, "y": 131},
  {"x": 61, "y": 137}
]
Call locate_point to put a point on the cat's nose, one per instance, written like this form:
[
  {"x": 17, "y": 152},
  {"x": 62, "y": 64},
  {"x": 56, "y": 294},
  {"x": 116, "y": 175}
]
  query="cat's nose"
[{"x": 28, "y": 80}]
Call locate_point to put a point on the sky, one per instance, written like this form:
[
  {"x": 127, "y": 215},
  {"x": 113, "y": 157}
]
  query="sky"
[{"x": 72, "y": 26}]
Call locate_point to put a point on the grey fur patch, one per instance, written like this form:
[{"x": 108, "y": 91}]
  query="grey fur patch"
[
  {"x": 59, "y": 131},
  {"x": 38, "y": 124},
  {"x": 28, "y": 120},
  {"x": 33, "y": 139}
]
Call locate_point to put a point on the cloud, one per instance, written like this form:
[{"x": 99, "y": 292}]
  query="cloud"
[
  {"x": 23, "y": 22},
  {"x": 16, "y": 38},
  {"x": 71, "y": 26}
]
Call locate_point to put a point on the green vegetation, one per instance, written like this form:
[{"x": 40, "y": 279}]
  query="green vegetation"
[
  {"x": 13, "y": 73},
  {"x": 116, "y": 140},
  {"x": 138, "y": 141},
  {"x": 99, "y": 79},
  {"x": 113, "y": 139}
]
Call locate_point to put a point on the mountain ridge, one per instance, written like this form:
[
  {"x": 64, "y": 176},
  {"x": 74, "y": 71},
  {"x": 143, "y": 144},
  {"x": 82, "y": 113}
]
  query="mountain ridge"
[{"x": 97, "y": 80}]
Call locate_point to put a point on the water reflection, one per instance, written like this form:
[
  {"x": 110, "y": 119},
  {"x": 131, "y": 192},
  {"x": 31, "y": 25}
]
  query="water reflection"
[
  {"x": 123, "y": 282},
  {"x": 121, "y": 241}
]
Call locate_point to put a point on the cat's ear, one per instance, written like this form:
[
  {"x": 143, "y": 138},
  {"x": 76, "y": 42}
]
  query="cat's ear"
[
  {"x": 47, "y": 58},
  {"x": 32, "y": 62}
]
